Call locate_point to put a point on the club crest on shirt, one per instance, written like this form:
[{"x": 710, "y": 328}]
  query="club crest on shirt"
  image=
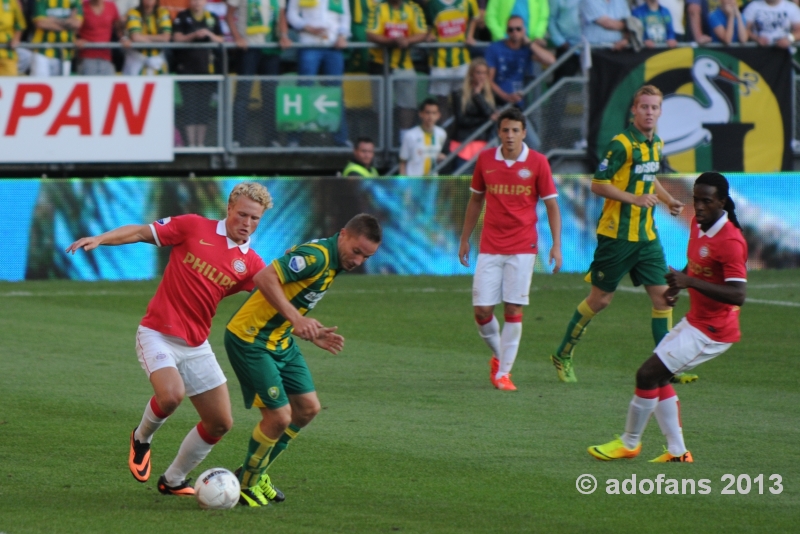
[
  {"x": 603, "y": 165},
  {"x": 273, "y": 392},
  {"x": 164, "y": 222},
  {"x": 524, "y": 173},
  {"x": 239, "y": 265},
  {"x": 297, "y": 263},
  {"x": 703, "y": 251}
]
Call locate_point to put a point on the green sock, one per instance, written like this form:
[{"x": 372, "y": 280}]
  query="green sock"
[
  {"x": 577, "y": 326},
  {"x": 661, "y": 323},
  {"x": 283, "y": 442},
  {"x": 255, "y": 463}
]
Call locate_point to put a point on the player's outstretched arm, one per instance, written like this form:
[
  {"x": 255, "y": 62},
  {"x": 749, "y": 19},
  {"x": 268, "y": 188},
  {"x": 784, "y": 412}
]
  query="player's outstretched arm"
[
  {"x": 474, "y": 207},
  {"x": 329, "y": 340},
  {"x": 675, "y": 206},
  {"x": 727, "y": 293},
  {"x": 130, "y": 233},
  {"x": 267, "y": 281},
  {"x": 610, "y": 192},
  {"x": 554, "y": 218}
]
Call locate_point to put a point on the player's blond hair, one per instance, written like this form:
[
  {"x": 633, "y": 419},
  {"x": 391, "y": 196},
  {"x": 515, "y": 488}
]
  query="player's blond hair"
[
  {"x": 253, "y": 191},
  {"x": 649, "y": 90}
]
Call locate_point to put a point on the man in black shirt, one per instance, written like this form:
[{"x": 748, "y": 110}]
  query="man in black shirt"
[{"x": 195, "y": 25}]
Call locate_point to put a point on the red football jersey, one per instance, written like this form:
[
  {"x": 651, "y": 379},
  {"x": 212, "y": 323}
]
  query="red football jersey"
[
  {"x": 204, "y": 267},
  {"x": 716, "y": 256},
  {"x": 512, "y": 190}
]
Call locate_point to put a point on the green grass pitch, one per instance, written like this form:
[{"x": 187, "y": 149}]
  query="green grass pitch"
[{"x": 412, "y": 437}]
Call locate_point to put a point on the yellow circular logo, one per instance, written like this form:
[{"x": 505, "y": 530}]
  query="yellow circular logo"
[{"x": 718, "y": 112}]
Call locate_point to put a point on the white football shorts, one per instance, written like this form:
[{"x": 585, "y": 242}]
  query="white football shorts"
[
  {"x": 686, "y": 347},
  {"x": 197, "y": 366},
  {"x": 502, "y": 278}
]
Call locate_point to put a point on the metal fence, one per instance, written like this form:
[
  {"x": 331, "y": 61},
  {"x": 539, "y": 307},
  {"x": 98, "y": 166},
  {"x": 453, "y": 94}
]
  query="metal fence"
[
  {"x": 199, "y": 114},
  {"x": 303, "y": 113},
  {"x": 233, "y": 114}
]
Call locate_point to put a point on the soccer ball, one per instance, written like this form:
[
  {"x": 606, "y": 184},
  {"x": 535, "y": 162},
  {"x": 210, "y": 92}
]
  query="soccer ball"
[{"x": 217, "y": 489}]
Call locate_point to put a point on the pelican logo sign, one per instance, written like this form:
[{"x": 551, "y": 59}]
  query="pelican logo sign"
[{"x": 723, "y": 109}]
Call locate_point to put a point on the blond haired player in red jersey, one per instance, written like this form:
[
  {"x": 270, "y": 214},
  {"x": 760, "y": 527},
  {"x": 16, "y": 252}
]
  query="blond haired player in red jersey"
[
  {"x": 209, "y": 261},
  {"x": 510, "y": 180},
  {"x": 716, "y": 277}
]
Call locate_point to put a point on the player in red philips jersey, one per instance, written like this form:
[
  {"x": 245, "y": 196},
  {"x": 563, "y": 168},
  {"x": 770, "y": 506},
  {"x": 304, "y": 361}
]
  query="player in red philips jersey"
[
  {"x": 510, "y": 180},
  {"x": 209, "y": 261},
  {"x": 716, "y": 277}
]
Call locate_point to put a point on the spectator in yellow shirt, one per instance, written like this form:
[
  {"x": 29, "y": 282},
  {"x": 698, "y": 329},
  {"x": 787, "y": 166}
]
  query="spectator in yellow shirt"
[{"x": 12, "y": 23}]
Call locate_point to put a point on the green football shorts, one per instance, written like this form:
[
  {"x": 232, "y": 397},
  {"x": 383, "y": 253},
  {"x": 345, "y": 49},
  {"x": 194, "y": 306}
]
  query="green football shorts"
[
  {"x": 614, "y": 258},
  {"x": 268, "y": 377}
]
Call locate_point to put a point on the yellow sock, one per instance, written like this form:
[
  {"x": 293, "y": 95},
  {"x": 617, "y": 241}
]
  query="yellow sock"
[{"x": 257, "y": 458}]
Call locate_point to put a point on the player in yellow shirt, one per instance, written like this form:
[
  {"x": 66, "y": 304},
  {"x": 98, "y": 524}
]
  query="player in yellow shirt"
[{"x": 12, "y": 22}]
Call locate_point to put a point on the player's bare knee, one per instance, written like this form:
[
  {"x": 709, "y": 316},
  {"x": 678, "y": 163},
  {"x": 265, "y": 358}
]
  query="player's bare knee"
[
  {"x": 598, "y": 300},
  {"x": 218, "y": 428},
  {"x": 645, "y": 378},
  {"x": 483, "y": 313},
  {"x": 169, "y": 401},
  {"x": 308, "y": 412},
  {"x": 222, "y": 427},
  {"x": 279, "y": 419}
]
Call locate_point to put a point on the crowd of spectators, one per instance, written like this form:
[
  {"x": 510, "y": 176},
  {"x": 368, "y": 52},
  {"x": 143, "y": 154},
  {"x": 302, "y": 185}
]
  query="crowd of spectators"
[
  {"x": 550, "y": 27},
  {"x": 469, "y": 82}
]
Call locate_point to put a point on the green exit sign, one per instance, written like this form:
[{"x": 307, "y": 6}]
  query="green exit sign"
[{"x": 308, "y": 109}]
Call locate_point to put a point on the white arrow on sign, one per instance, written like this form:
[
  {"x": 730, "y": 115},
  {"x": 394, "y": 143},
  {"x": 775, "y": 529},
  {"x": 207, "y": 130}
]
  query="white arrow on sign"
[{"x": 322, "y": 104}]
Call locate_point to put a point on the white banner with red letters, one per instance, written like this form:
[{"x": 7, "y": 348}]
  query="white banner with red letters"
[{"x": 90, "y": 119}]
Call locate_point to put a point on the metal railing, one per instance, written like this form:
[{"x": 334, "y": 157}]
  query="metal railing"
[{"x": 480, "y": 132}]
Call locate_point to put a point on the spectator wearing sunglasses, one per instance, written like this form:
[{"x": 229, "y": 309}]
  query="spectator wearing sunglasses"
[{"x": 511, "y": 65}]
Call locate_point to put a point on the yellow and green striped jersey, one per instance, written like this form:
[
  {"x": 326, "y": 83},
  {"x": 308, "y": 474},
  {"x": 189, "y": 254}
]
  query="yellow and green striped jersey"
[
  {"x": 359, "y": 11},
  {"x": 449, "y": 19},
  {"x": 405, "y": 21},
  {"x": 57, "y": 9},
  {"x": 11, "y": 20},
  {"x": 156, "y": 23},
  {"x": 306, "y": 272},
  {"x": 630, "y": 164}
]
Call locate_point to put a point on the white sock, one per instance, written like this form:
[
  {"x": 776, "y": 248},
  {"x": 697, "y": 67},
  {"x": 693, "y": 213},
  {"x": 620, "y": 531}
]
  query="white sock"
[
  {"x": 150, "y": 422},
  {"x": 194, "y": 449},
  {"x": 639, "y": 412},
  {"x": 490, "y": 332},
  {"x": 509, "y": 344},
  {"x": 668, "y": 415}
]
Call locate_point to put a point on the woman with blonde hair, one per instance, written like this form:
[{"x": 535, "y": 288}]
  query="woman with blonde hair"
[{"x": 473, "y": 105}]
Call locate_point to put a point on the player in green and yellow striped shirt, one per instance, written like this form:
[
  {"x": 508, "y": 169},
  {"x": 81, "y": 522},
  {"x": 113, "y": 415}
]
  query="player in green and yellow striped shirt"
[
  {"x": 56, "y": 21},
  {"x": 272, "y": 373},
  {"x": 627, "y": 240}
]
